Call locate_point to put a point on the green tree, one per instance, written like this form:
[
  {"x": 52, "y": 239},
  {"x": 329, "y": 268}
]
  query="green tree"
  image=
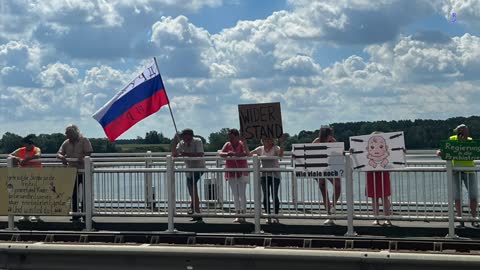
[
  {"x": 152, "y": 137},
  {"x": 103, "y": 145},
  {"x": 49, "y": 143},
  {"x": 217, "y": 140},
  {"x": 163, "y": 139},
  {"x": 10, "y": 142}
]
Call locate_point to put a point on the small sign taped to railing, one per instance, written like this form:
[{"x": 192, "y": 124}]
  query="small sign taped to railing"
[
  {"x": 260, "y": 121},
  {"x": 321, "y": 160},
  {"x": 460, "y": 150},
  {"x": 34, "y": 191},
  {"x": 378, "y": 152}
]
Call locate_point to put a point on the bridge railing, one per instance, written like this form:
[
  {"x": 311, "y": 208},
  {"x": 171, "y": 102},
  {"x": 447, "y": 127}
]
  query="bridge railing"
[{"x": 153, "y": 184}]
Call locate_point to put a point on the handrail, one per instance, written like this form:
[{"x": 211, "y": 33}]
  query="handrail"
[{"x": 152, "y": 170}]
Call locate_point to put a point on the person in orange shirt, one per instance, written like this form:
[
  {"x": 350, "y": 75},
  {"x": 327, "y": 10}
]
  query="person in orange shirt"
[{"x": 27, "y": 157}]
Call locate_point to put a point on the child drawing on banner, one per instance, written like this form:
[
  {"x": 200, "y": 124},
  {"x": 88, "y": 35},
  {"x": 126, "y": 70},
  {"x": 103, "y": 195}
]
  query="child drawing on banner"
[{"x": 377, "y": 150}]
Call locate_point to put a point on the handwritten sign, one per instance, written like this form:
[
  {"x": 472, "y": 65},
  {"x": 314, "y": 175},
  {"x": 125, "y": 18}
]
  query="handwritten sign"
[
  {"x": 460, "y": 150},
  {"x": 378, "y": 152},
  {"x": 319, "y": 159},
  {"x": 260, "y": 121},
  {"x": 32, "y": 191}
]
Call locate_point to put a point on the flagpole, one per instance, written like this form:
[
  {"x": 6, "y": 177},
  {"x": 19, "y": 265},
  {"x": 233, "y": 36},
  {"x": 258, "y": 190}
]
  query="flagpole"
[{"x": 166, "y": 94}]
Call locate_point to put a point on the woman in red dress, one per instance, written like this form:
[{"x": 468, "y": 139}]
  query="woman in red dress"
[{"x": 378, "y": 187}]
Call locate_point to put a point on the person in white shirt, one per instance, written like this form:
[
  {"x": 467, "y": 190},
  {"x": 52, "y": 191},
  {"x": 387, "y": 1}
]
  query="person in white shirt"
[{"x": 270, "y": 181}]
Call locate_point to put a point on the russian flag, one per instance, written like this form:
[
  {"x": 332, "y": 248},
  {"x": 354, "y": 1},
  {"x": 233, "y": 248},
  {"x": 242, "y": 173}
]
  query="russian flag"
[{"x": 142, "y": 97}]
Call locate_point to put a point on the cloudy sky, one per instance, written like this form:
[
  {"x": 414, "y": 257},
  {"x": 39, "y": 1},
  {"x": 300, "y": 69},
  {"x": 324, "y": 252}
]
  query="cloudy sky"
[{"x": 325, "y": 61}]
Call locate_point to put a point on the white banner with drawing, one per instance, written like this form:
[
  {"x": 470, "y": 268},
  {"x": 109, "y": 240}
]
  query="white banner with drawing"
[{"x": 378, "y": 152}]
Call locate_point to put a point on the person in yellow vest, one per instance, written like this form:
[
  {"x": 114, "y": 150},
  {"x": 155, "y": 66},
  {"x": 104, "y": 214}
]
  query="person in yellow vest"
[
  {"x": 468, "y": 178},
  {"x": 27, "y": 157}
]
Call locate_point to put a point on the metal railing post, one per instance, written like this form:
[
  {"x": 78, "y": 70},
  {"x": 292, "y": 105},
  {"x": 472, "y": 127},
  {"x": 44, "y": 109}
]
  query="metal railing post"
[
  {"x": 451, "y": 209},
  {"x": 149, "y": 193},
  {"x": 257, "y": 197},
  {"x": 349, "y": 194},
  {"x": 171, "y": 193},
  {"x": 88, "y": 182},
  {"x": 219, "y": 184},
  {"x": 294, "y": 186},
  {"x": 11, "y": 218}
]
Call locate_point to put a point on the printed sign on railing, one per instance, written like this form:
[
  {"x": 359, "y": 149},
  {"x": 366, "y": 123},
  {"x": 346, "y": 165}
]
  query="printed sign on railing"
[
  {"x": 460, "y": 150},
  {"x": 319, "y": 159},
  {"x": 33, "y": 191}
]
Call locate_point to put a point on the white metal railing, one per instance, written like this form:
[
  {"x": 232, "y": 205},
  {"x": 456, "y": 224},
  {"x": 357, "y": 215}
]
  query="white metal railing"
[{"x": 153, "y": 184}]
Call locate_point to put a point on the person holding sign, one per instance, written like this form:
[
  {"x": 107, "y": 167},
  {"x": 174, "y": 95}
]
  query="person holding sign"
[
  {"x": 270, "y": 181},
  {"x": 26, "y": 157},
  {"x": 325, "y": 135},
  {"x": 378, "y": 182},
  {"x": 76, "y": 146},
  {"x": 191, "y": 146},
  {"x": 468, "y": 178},
  {"x": 235, "y": 148}
]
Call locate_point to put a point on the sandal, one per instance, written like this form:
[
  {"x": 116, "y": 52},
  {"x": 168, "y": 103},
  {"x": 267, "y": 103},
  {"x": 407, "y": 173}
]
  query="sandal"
[{"x": 376, "y": 222}]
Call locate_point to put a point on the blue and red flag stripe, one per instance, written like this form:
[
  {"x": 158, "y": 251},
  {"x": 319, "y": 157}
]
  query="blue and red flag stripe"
[{"x": 124, "y": 111}]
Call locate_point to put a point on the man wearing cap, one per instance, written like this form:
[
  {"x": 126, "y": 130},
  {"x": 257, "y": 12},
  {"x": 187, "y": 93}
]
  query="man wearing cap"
[
  {"x": 468, "y": 178},
  {"x": 190, "y": 146},
  {"x": 27, "y": 157}
]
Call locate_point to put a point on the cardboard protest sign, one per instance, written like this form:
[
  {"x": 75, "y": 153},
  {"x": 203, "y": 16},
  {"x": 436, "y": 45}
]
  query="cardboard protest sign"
[
  {"x": 319, "y": 159},
  {"x": 33, "y": 191},
  {"x": 378, "y": 152},
  {"x": 260, "y": 121}
]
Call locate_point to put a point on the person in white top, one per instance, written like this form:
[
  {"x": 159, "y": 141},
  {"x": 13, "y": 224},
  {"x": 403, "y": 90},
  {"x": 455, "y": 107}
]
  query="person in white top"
[{"x": 270, "y": 181}]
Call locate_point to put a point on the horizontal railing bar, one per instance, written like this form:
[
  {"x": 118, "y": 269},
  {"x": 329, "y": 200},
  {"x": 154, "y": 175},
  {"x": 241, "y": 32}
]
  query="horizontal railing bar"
[{"x": 126, "y": 170}]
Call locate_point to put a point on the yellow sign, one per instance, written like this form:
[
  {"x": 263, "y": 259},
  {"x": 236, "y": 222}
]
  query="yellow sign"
[{"x": 34, "y": 191}]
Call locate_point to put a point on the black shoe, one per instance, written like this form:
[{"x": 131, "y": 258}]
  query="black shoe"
[
  {"x": 197, "y": 219},
  {"x": 461, "y": 224}
]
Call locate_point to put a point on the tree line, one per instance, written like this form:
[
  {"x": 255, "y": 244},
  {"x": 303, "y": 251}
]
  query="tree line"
[{"x": 419, "y": 134}]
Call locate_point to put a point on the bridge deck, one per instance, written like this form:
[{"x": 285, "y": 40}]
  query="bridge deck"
[{"x": 225, "y": 226}]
